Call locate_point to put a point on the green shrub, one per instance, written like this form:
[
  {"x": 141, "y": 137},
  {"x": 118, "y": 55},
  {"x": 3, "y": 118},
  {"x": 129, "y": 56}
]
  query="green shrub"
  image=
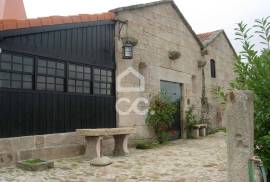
[
  {"x": 147, "y": 145},
  {"x": 191, "y": 120},
  {"x": 252, "y": 73},
  {"x": 160, "y": 116}
]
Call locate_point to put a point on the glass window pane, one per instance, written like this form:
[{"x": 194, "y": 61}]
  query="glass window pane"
[
  {"x": 17, "y": 59},
  {"x": 79, "y": 75},
  {"x": 50, "y": 86},
  {"x": 79, "y": 83},
  {"x": 103, "y": 78},
  {"x": 28, "y": 69},
  {"x": 79, "y": 69},
  {"x": 108, "y": 92},
  {"x": 96, "y": 85},
  {"x": 109, "y": 79},
  {"x": 50, "y": 80},
  {"x": 42, "y": 63},
  {"x": 27, "y": 78},
  {"x": 103, "y": 72},
  {"x": 60, "y": 66},
  {"x": 60, "y": 73},
  {"x": 72, "y": 74},
  {"x": 16, "y": 77},
  {"x": 5, "y": 57},
  {"x": 108, "y": 86},
  {"x": 86, "y": 84},
  {"x": 87, "y": 76},
  {"x": 41, "y": 79},
  {"x": 102, "y": 85},
  {"x": 27, "y": 61},
  {"x": 71, "y": 82},
  {"x": 71, "y": 89},
  {"x": 87, "y": 70},
  {"x": 27, "y": 85},
  {"x": 79, "y": 89},
  {"x": 96, "y": 71},
  {"x": 51, "y": 64},
  {"x": 59, "y": 81},
  {"x": 5, "y": 83},
  {"x": 51, "y": 71},
  {"x": 86, "y": 90},
  {"x": 103, "y": 91},
  {"x": 96, "y": 77},
  {"x": 16, "y": 84},
  {"x": 6, "y": 66},
  {"x": 17, "y": 67},
  {"x": 4, "y": 76},
  {"x": 41, "y": 70},
  {"x": 59, "y": 88},
  {"x": 41, "y": 86},
  {"x": 96, "y": 91},
  {"x": 109, "y": 73},
  {"x": 72, "y": 67}
]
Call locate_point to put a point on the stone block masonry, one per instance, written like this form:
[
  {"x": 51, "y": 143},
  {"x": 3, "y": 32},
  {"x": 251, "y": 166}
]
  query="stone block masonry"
[{"x": 239, "y": 115}]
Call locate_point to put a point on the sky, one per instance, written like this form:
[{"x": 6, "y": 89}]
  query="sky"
[{"x": 202, "y": 15}]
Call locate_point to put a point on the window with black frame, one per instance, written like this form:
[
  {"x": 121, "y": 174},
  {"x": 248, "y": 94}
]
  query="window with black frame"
[
  {"x": 213, "y": 68},
  {"x": 79, "y": 78},
  {"x": 16, "y": 71},
  {"x": 50, "y": 75},
  {"x": 102, "y": 81}
]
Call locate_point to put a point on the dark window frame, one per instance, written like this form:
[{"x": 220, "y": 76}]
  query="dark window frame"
[
  {"x": 77, "y": 79},
  {"x": 21, "y": 74},
  {"x": 48, "y": 77},
  {"x": 213, "y": 68},
  {"x": 65, "y": 76},
  {"x": 107, "y": 82}
]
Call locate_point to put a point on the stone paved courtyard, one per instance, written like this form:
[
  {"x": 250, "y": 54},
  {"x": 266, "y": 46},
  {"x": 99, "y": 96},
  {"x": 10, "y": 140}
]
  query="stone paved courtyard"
[{"x": 202, "y": 160}]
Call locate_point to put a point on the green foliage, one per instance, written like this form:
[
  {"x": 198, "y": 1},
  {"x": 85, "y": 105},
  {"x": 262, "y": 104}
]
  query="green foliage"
[
  {"x": 191, "y": 120},
  {"x": 263, "y": 149},
  {"x": 253, "y": 73},
  {"x": 160, "y": 116},
  {"x": 147, "y": 145},
  {"x": 34, "y": 161},
  {"x": 213, "y": 131},
  {"x": 220, "y": 94}
]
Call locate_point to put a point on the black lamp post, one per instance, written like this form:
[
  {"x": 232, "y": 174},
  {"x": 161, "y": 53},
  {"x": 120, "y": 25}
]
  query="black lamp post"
[{"x": 127, "y": 50}]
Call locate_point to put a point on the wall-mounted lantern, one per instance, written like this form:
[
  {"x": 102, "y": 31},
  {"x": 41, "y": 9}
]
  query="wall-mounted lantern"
[
  {"x": 127, "y": 50},
  {"x": 0, "y": 51}
]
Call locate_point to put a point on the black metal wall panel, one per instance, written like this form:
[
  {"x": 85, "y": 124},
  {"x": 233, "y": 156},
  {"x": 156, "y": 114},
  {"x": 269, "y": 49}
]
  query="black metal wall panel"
[
  {"x": 32, "y": 112},
  {"x": 89, "y": 43},
  {"x": 26, "y": 113}
]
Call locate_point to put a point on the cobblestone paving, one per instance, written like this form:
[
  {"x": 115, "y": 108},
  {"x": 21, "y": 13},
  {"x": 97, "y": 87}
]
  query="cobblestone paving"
[{"x": 202, "y": 160}]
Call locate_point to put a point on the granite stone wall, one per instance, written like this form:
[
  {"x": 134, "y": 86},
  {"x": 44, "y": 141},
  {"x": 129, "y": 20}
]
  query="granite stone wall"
[{"x": 158, "y": 29}]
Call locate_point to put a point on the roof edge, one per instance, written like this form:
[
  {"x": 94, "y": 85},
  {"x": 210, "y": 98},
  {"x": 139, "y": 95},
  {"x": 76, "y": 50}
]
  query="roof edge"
[
  {"x": 138, "y": 6},
  {"x": 220, "y": 31}
]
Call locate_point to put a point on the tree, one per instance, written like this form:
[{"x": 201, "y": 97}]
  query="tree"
[{"x": 252, "y": 70}]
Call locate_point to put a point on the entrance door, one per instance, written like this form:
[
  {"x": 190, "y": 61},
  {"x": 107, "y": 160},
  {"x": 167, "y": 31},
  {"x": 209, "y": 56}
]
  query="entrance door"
[{"x": 173, "y": 91}]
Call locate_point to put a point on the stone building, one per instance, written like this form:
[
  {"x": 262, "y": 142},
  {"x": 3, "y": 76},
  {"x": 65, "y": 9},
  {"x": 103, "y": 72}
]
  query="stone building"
[
  {"x": 62, "y": 73},
  {"x": 159, "y": 28}
]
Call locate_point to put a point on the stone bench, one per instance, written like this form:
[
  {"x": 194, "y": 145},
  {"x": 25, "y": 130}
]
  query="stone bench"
[
  {"x": 199, "y": 130},
  {"x": 93, "y": 138}
]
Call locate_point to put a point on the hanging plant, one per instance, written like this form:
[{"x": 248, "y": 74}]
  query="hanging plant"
[
  {"x": 173, "y": 55},
  {"x": 131, "y": 40}
]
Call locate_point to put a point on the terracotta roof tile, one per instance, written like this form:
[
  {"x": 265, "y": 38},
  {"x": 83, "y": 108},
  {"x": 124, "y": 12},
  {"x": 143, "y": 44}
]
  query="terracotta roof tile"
[
  {"x": 208, "y": 37},
  {"x": 204, "y": 36},
  {"x": 54, "y": 20}
]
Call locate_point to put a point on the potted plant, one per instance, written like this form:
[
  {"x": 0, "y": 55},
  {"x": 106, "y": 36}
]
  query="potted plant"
[{"x": 160, "y": 116}]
